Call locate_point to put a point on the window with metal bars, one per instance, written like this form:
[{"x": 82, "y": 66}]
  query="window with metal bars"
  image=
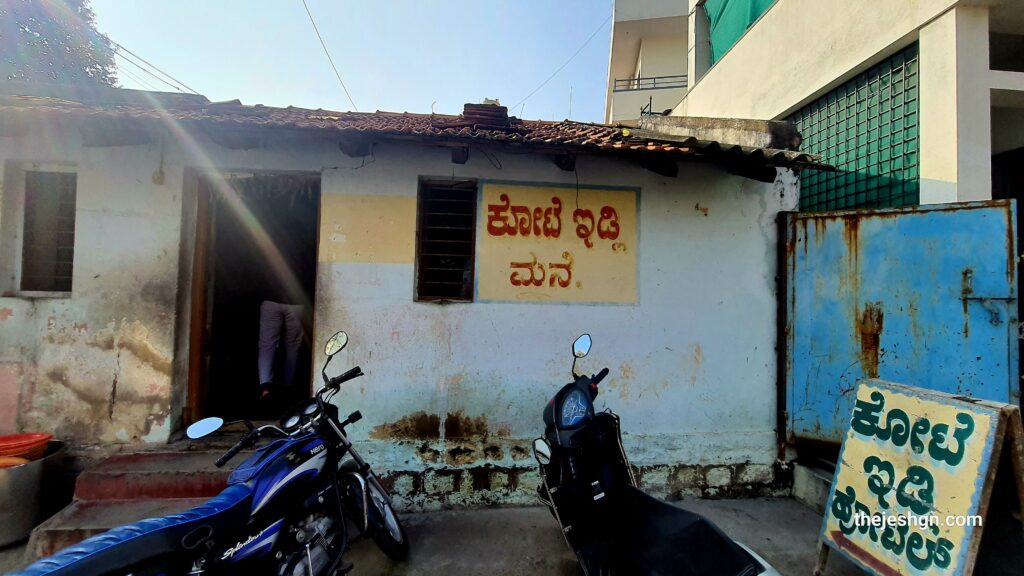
[
  {"x": 48, "y": 234},
  {"x": 445, "y": 240},
  {"x": 868, "y": 129}
]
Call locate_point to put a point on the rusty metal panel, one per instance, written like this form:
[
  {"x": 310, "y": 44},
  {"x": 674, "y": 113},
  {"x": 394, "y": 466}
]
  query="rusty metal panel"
[{"x": 925, "y": 296}]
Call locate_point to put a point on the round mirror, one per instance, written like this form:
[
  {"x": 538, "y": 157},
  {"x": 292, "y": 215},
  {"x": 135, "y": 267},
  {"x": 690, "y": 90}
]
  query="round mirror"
[
  {"x": 581, "y": 347},
  {"x": 336, "y": 343},
  {"x": 204, "y": 427},
  {"x": 542, "y": 451}
]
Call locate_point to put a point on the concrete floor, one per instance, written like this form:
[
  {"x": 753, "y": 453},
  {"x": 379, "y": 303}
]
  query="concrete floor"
[{"x": 507, "y": 541}]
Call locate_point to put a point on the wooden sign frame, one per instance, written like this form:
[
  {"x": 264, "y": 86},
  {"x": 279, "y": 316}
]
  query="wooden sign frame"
[{"x": 1007, "y": 434}]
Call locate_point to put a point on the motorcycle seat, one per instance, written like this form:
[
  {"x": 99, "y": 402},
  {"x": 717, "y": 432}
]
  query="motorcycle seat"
[{"x": 147, "y": 540}]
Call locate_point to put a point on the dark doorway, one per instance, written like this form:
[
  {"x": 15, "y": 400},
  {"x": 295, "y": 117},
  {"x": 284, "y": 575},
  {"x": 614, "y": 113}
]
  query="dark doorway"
[
  {"x": 261, "y": 247},
  {"x": 1007, "y": 183}
]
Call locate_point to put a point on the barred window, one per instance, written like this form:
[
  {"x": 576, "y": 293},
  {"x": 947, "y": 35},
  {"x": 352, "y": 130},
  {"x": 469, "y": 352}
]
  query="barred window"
[
  {"x": 445, "y": 240},
  {"x": 48, "y": 234}
]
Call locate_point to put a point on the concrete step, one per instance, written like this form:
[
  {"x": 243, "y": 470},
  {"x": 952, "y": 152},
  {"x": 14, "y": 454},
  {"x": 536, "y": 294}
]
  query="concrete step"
[
  {"x": 811, "y": 485},
  {"x": 149, "y": 475},
  {"x": 83, "y": 518}
]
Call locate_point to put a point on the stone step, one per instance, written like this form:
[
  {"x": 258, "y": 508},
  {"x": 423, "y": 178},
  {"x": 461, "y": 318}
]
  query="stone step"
[
  {"x": 84, "y": 518},
  {"x": 811, "y": 485},
  {"x": 150, "y": 475}
]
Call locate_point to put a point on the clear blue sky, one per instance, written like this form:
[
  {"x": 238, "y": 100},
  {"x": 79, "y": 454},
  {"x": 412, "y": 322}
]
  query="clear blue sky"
[{"x": 392, "y": 55}]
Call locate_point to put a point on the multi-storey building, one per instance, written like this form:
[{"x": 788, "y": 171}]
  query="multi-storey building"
[{"x": 915, "y": 102}]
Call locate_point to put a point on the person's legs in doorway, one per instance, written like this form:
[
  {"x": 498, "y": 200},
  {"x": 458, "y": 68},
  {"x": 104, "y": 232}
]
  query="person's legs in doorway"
[
  {"x": 293, "y": 335},
  {"x": 272, "y": 319}
]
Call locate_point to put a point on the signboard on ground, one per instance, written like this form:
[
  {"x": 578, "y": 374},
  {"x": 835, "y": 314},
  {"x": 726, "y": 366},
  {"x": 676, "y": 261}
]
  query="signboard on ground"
[
  {"x": 914, "y": 480},
  {"x": 557, "y": 244}
]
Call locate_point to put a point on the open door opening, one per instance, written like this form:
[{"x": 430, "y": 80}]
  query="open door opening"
[{"x": 253, "y": 294}]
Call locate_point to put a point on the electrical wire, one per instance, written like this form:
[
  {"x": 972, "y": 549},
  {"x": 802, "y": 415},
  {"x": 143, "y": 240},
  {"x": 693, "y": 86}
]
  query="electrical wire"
[
  {"x": 153, "y": 66},
  {"x": 138, "y": 80},
  {"x": 147, "y": 72},
  {"x": 566, "y": 63},
  {"x": 328, "y": 53}
]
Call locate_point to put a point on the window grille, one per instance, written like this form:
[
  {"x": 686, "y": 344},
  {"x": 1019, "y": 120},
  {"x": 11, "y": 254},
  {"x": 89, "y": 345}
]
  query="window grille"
[
  {"x": 48, "y": 237},
  {"x": 445, "y": 240},
  {"x": 868, "y": 129}
]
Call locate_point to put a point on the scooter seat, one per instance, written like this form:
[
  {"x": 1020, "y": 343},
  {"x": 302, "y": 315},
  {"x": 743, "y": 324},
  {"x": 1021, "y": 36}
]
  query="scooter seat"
[
  {"x": 148, "y": 540},
  {"x": 657, "y": 538}
]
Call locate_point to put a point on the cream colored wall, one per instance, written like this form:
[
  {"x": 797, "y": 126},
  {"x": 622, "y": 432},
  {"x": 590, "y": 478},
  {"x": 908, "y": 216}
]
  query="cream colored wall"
[
  {"x": 780, "y": 63},
  {"x": 663, "y": 56},
  {"x": 954, "y": 108}
]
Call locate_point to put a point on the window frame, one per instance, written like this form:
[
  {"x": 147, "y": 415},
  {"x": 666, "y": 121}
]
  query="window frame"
[
  {"x": 472, "y": 185},
  {"x": 12, "y": 226}
]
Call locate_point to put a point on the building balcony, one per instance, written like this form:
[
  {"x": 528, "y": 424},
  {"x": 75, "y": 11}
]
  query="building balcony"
[
  {"x": 650, "y": 83},
  {"x": 631, "y": 97}
]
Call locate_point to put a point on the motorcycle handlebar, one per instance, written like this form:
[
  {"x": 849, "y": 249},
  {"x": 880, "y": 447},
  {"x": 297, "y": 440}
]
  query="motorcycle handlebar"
[
  {"x": 237, "y": 448},
  {"x": 338, "y": 380},
  {"x": 600, "y": 376}
]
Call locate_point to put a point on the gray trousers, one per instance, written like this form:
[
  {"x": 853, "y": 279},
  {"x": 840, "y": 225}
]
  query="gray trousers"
[{"x": 277, "y": 321}]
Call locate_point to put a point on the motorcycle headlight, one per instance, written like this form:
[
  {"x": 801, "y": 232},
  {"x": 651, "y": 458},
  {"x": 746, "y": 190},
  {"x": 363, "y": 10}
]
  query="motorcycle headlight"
[{"x": 574, "y": 408}]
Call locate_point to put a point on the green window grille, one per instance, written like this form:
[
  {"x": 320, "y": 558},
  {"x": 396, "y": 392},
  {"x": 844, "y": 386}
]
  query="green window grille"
[{"x": 868, "y": 129}]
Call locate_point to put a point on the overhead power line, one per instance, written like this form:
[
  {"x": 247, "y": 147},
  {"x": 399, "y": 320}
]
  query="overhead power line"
[
  {"x": 137, "y": 79},
  {"x": 147, "y": 72},
  {"x": 177, "y": 85},
  {"x": 560, "y": 68},
  {"x": 328, "y": 53}
]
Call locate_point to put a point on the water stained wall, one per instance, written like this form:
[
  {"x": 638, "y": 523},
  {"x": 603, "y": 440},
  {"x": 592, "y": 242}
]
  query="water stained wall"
[
  {"x": 95, "y": 366},
  {"x": 453, "y": 393}
]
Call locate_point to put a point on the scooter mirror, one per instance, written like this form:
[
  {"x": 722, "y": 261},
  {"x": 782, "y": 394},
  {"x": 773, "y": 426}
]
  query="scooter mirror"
[
  {"x": 204, "y": 427},
  {"x": 581, "y": 347},
  {"x": 336, "y": 343},
  {"x": 542, "y": 451}
]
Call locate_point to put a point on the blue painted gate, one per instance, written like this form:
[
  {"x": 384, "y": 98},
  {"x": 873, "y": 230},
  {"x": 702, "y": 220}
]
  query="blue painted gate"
[{"x": 925, "y": 296}]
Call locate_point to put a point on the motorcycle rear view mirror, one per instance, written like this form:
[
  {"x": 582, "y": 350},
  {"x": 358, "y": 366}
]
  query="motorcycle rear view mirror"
[
  {"x": 542, "y": 451},
  {"x": 336, "y": 343},
  {"x": 581, "y": 347},
  {"x": 204, "y": 427}
]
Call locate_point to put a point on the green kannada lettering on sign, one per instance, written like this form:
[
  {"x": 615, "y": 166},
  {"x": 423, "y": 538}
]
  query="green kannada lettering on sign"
[{"x": 897, "y": 430}]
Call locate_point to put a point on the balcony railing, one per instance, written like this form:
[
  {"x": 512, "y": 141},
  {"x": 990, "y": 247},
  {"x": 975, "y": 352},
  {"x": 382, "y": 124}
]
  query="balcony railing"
[{"x": 650, "y": 83}]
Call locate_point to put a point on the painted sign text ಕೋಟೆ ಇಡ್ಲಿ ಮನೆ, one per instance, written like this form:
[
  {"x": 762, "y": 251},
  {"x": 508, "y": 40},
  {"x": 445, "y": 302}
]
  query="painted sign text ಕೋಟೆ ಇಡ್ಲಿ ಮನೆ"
[{"x": 557, "y": 244}]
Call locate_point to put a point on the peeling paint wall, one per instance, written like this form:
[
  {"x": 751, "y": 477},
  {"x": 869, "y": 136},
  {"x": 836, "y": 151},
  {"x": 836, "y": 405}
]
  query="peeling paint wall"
[
  {"x": 453, "y": 394},
  {"x": 94, "y": 367}
]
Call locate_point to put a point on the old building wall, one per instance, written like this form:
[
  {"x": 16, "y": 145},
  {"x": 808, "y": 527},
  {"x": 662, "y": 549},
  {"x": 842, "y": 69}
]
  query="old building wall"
[
  {"x": 453, "y": 393},
  {"x": 94, "y": 366},
  {"x": 458, "y": 389}
]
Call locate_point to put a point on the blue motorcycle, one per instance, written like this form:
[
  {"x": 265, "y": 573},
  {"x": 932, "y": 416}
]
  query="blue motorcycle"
[{"x": 288, "y": 508}]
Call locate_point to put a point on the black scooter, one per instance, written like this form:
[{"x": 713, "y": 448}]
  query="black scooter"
[{"x": 612, "y": 526}]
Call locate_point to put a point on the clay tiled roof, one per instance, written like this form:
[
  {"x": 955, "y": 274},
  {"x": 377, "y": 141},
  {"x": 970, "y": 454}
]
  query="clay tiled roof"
[{"x": 567, "y": 135}]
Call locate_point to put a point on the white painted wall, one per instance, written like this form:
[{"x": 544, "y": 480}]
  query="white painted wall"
[
  {"x": 692, "y": 363},
  {"x": 96, "y": 367}
]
